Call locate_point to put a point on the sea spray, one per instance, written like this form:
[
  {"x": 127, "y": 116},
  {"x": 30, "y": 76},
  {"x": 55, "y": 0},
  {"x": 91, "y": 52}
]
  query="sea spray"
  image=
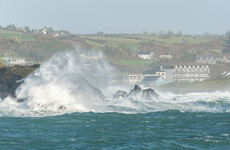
[{"x": 69, "y": 80}]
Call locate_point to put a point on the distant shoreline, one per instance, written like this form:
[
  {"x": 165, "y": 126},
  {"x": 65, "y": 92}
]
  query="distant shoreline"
[{"x": 210, "y": 85}]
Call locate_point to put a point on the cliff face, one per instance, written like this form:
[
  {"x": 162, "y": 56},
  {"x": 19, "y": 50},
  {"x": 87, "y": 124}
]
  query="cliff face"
[{"x": 9, "y": 76}]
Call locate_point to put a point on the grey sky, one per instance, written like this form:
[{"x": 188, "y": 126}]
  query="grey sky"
[{"x": 116, "y": 16}]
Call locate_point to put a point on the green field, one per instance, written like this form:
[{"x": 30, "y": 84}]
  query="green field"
[
  {"x": 13, "y": 34},
  {"x": 135, "y": 40},
  {"x": 133, "y": 62},
  {"x": 130, "y": 45}
]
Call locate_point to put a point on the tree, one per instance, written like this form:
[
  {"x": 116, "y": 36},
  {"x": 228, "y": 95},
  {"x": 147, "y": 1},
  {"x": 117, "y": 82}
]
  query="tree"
[
  {"x": 179, "y": 33},
  {"x": 27, "y": 29},
  {"x": 206, "y": 34},
  {"x": 144, "y": 33},
  {"x": 170, "y": 33},
  {"x": 100, "y": 33},
  {"x": 161, "y": 32},
  {"x": 226, "y": 44},
  {"x": 11, "y": 27},
  {"x": 227, "y": 34},
  {"x": 50, "y": 30},
  {"x": 153, "y": 33}
]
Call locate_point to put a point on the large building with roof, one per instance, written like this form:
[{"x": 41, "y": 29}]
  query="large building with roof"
[
  {"x": 164, "y": 75},
  {"x": 190, "y": 73},
  {"x": 169, "y": 70},
  {"x": 132, "y": 79}
]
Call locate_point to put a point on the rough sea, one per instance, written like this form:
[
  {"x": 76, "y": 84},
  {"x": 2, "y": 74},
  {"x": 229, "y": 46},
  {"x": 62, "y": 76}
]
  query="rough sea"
[
  {"x": 61, "y": 109},
  {"x": 170, "y": 129}
]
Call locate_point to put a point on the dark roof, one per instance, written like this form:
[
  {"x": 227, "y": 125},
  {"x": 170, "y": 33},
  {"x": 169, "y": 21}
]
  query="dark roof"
[
  {"x": 205, "y": 56},
  {"x": 152, "y": 71},
  {"x": 151, "y": 78},
  {"x": 144, "y": 53}
]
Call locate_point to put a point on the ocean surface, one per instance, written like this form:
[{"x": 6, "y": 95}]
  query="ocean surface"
[{"x": 170, "y": 129}]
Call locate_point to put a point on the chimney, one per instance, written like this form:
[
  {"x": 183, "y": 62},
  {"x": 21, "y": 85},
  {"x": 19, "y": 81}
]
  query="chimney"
[{"x": 161, "y": 67}]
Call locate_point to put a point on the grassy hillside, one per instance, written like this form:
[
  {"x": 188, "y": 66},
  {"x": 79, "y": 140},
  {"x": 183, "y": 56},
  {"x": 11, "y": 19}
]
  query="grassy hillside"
[
  {"x": 130, "y": 45},
  {"x": 212, "y": 84},
  {"x": 120, "y": 49},
  {"x": 33, "y": 47},
  {"x": 12, "y": 34}
]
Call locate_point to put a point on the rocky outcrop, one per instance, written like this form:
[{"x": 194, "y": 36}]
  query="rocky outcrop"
[
  {"x": 10, "y": 78},
  {"x": 137, "y": 93},
  {"x": 120, "y": 94}
]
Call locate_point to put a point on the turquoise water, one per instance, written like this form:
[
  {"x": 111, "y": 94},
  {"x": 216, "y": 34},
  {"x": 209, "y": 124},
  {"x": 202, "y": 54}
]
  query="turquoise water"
[{"x": 170, "y": 129}]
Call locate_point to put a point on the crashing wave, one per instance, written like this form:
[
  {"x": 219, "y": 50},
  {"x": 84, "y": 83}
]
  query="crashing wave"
[{"x": 69, "y": 82}]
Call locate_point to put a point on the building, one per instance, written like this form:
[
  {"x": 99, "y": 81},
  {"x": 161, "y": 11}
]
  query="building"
[
  {"x": 151, "y": 81},
  {"x": 133, "y": 79},
  {"x": 169, "y": 70},
  {"x": 155, "y": 73},
  {"x": 130, "y": 79},
  {"x": 165, "y": 56},
  {"x": 190, "y": 73},
  {"x": 15, "y": 61},
  {"x": 206, "y": 59},
  {"x": 225, "y": 59},
  {"x": 146, "y": 55},
  {"x": 44, "y": 31},
  {"x": 61, "y": 33},
  {"x": 40, "y": 31}
]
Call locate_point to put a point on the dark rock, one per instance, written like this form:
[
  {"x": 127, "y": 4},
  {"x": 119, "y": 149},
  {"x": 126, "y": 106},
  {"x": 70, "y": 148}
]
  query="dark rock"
[
  {"x": 20, "y": 100},
  {"x": 148, "y": 94},
  {"x": 120, "y": 94},
  {"x": 62, "y": 107},
  {"x": 9, "y": 77},
  {"x": 137, "y": 92}
]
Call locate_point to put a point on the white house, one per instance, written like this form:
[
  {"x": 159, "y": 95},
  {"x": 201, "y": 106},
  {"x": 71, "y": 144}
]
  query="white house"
[
  {"x": 165, "y": 56},
  {"x": 44, "y": 31},
  {"x": 146, "y": 55},
  {"x": 206, "y": 59},
  {"x": 14, "y": 61}
]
